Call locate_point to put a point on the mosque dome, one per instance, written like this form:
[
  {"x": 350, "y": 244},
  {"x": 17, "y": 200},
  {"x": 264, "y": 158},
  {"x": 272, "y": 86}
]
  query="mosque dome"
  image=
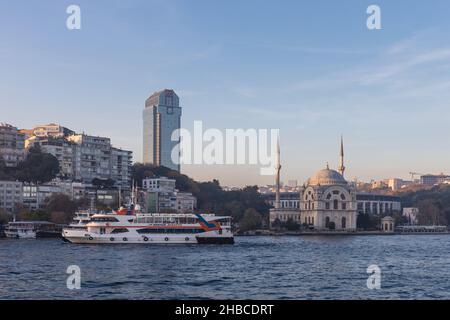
[{"x": 327, "y": 177}]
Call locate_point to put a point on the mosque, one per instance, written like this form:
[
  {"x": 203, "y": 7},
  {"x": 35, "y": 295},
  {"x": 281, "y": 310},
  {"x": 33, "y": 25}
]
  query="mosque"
[{"x": 327, "y": 201}]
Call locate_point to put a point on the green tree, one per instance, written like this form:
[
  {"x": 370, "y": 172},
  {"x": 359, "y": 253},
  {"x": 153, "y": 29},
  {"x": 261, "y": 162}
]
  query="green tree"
[
  {"x": 61, "y": 208},
  {"x": 4, "y": 217},
  {"x": 251, "y": 221},
  {"x": 38, "y": 167},
  {"x": 291, "y": 225},
  {"x": 38, "y": 215}
]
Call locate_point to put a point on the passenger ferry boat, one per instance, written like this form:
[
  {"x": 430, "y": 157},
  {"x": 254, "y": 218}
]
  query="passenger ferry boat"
[
  {"x": 125, "y": 226},
  {"x": 81, "y": 219},
  {"x": 32, "y": 229}
]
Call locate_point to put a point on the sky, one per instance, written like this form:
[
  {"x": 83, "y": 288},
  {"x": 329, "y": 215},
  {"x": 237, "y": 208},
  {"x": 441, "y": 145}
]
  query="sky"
[{"x": 309, "y": 68}]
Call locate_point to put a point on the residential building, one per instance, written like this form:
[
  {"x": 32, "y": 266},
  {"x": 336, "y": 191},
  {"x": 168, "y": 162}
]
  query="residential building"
[
  {"x": 12, "y": 145},
  {"x": 34, "y": 196},
  {"x": 161, "y": 196},
  {"x": 433, "y": 179},
  {"x": 51, "y": 130},
  {"x": 94, "y": 157},
  {"x": 378, "y": 204},
  {"x": 185, "y": 202},
  {"x": 160, "y": 184},
  {"x": 10, "y": 195},
  {"x": 62, "y": 149},
  {"x": 160, "y": 201},
  {"x": 161, "y": 117}
]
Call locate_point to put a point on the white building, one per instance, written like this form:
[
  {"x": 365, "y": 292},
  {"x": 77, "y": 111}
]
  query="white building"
[
  {"x": 327, "y": 202},
  {"x": 161, "y": 117},
  {"x": 162, "y": 196},
  {"x": 34, "y": 196},
  {"x": 185, "y": 202},
  {"x": 94, "y": 157},
  {"x": 387, "y": 224},
  {"x": 369, "y": 203},
  {"x": 161, "y": 184},
  {"x": 51, "y": 130},
  {"x": 411, "y": 214},
  {"x": 12, "y": 145},
  {"x": 10, "y": 195}
]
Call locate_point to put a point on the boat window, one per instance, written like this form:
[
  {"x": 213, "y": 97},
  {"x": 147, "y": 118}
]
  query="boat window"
[
  {"x": 119, "y": 230},
  {"x": 104, "y": 219}
]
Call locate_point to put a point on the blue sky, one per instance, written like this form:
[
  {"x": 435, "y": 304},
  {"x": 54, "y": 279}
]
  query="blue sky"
[{"x": 310, "y": 68}]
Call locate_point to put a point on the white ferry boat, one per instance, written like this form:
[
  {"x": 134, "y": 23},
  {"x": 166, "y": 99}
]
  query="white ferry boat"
[
  {"x": 153, "y": 228},
  {"x": 81, "y": 219},
  {"x": 31, "y": 229}
]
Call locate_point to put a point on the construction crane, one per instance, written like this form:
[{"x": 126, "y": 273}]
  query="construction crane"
[{"x": 415, "y": 174}]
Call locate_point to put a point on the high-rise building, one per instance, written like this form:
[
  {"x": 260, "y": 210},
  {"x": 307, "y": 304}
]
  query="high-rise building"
[
  {"x": 12, "y": 145},
  {"x": 161, "y": 116}
]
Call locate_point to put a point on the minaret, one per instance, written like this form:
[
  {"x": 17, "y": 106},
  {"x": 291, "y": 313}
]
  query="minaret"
[
  {"x": 341, "y": 168},
  {"x": 278, "y": 168}
]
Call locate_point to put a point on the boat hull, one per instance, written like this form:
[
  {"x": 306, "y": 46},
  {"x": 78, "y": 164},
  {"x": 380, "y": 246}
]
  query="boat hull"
[{"x": 83, "y": 237}]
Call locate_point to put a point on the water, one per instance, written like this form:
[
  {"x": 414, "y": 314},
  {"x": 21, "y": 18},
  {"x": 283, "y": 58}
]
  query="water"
[{"x": 413, "y": 267}]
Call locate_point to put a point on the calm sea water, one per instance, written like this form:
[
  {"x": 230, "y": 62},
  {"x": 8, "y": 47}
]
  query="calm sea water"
[{"x": 254, "y": 268}]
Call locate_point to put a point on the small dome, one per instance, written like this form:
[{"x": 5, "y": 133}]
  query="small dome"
[{"x": 327, "y": 177}]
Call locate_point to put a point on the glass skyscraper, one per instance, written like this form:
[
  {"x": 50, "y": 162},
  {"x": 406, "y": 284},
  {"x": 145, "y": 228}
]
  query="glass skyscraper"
[{"x": 162, "y": 116}]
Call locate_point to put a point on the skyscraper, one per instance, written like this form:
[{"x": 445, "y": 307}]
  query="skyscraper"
[{"x": 162, "y": 116}]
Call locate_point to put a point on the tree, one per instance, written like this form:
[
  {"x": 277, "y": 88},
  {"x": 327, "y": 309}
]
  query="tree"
[
  {"x": 367, "y": 221},
  {"x": 38, "y": 167},
  {"x": 291, "y": 225},
  {"x": 431, "y": 213},
  {"x": 251, "y": 220},
  {"x": 38, "y": 215},
  {"x": 61, "y": 208},
  {"x": 4, "y": 217}
]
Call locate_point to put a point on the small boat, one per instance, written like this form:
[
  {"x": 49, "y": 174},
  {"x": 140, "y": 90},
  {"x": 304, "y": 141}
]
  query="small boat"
[
  {"x": 153, "y": 228},
  {"x": 32, "y": 229}
]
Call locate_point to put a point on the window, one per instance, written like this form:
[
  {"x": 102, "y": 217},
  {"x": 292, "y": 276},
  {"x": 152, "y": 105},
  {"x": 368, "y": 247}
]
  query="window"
[
  {"x": 327, "y": 205},
  {"x": 344, "y": 223},
  {"x": 327, "y": 222},
  {"x": 119, "y": 230},
  {"x": 342, "y": 196},
  {"x": 335, "y": 204},
  {"x": 344, "y": 206}
]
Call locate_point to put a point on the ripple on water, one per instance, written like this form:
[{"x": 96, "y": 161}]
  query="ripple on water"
[{"x": 413, "y": 267}]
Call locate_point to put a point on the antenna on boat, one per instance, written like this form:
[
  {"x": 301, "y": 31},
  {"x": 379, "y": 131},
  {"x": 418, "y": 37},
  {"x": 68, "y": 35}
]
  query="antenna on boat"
[{"x": 120, "y": 196}]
